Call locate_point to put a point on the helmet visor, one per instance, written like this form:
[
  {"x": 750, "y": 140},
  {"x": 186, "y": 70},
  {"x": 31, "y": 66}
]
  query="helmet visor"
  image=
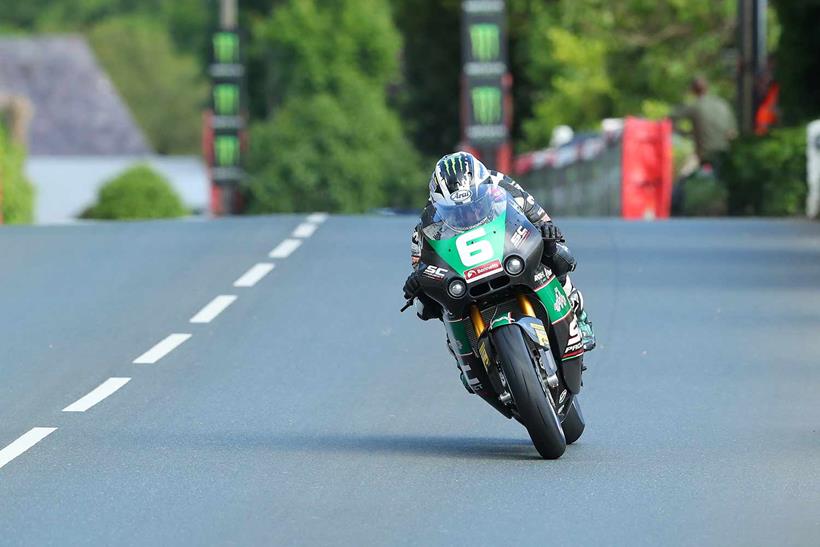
[{"x": 463, "y": 216}]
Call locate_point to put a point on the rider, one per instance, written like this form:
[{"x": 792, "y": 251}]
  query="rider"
[{"x": 461, "y": 171}]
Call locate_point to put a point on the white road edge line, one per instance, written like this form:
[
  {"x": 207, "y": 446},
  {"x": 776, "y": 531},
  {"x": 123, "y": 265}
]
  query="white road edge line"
[
  {"x": 304, "y": 230},
  {"x": 213, "y": 308},
  {"x": 284, "y": 249},
  {"x": 24, "y": 442},
  {"x": 317, "y": 218},
  {"x": 163, "y": 348},
  {"x": 96, "y": 395},
  {"x": 252, "y": 276}
]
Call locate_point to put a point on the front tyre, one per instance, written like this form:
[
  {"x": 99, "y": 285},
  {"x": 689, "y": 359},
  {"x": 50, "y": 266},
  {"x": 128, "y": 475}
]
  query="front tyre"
[{"x": 535, "y": 409}]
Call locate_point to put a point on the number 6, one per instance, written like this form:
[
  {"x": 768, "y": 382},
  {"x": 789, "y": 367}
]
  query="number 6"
[{"x": 472, "y": 250}]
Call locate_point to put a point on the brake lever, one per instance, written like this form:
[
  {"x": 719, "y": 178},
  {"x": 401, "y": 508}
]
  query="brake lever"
[{"x": 406, "y": 305}]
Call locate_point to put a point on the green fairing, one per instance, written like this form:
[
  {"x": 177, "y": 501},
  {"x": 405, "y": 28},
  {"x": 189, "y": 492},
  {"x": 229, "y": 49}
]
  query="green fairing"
[
  {"x": 551, "y": 294},
  {"x": 495, "y": 233},
  {"x": 456, "y": 331}
]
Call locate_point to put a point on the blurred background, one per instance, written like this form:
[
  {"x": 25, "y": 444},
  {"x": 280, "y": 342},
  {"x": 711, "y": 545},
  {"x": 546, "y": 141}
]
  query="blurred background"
[{"x": 118, "y": 109}]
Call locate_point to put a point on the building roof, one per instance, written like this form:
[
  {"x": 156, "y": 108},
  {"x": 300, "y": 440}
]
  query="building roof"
[{"x": 77, "y": 110}]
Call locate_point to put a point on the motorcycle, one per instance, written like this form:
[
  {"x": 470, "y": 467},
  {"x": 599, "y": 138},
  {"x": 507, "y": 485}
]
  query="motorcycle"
[{"x": 508, "y": 320}]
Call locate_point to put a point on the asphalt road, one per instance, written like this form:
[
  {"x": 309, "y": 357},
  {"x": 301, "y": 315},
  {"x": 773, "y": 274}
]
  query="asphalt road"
[{"x": 310, "y": 412}]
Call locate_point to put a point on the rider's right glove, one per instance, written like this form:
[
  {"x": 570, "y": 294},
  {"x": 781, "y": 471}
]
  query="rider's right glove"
[
  {"x": 412, "y": 287},
  {"x": 551, "y": 235}
]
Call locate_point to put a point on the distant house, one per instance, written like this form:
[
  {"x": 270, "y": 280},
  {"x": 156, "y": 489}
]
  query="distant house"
[
  {"x": 77, "y": 111},
  {"x": 81, "y": 132}
]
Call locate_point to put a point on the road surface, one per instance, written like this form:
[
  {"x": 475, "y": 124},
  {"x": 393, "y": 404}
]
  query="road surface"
[{"x": 308, "y": 411}]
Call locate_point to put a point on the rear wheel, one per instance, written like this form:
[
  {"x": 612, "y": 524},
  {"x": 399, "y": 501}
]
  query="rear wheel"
[{"x": 532, "y": 401}]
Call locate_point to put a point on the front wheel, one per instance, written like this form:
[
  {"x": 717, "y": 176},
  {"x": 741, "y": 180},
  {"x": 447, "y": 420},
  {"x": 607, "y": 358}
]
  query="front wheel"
[{"x": 531, "y": 400}]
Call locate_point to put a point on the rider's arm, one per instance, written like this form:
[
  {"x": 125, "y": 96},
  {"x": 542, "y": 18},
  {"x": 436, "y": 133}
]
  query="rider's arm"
[
  {"x": 535, "y": 213},
  {"x": 415, "y": 246}
]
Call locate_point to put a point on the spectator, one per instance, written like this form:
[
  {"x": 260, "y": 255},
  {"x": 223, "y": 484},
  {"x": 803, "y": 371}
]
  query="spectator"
[{"x": 713, "y": 125}]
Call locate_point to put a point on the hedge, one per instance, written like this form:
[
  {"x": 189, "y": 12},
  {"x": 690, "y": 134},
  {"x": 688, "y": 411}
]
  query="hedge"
[{"x": 767, "y": 175}]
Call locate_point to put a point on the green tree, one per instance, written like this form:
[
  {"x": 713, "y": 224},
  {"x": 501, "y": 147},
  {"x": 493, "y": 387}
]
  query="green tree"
[
  {"x": 17, "y": 191},
  {"x": 165, "y": 89},
  {"x": 138, "y": 193},
  {"x": 798, "y": 61},
  {"x": 333, "y": 141}
]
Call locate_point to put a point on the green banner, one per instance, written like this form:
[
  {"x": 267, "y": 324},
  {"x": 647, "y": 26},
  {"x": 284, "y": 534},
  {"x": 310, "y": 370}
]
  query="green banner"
[
  {"x": 226, "y": 150},
  {"x": 485, "y": 42}
]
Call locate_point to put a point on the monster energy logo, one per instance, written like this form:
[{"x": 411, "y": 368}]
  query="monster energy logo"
[
  {"x": 226, "y": 47},
  {"x": 226, "y": 148},
  {"x": 226, "y": 99},
  {"x": 487, "y": 105},
  {"x": 486, "y": 42}
]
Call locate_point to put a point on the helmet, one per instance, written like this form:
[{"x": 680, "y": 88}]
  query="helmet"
[
  {"x": 456, "y": 179},
  {"x": 459, "y": 192}
]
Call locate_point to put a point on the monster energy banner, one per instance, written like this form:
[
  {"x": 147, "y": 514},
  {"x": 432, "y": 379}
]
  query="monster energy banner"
[
  {"x": 484, "y": 56},
  {"x": 227, "y": 72}
]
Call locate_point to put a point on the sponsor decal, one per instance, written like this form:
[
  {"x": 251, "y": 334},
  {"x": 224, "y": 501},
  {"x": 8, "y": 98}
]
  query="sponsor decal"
[
  {"x": 226, "y": 99},
  {"x": 461, "y": 196},
  {"x": 435, "y": 273},
  {"x": 480, "y": 272},
  {"x": 485, "y": 357},
  {"x": 560, "y": 300},
  {"x": 540, "y": 278},
  {"x": 541, "y": 334},
  {"x": 486, "y": 41},
  {"x": 487, "y": 105},
  {"x": 520, "y": 236},
  {"x": 226, "y": 150}
]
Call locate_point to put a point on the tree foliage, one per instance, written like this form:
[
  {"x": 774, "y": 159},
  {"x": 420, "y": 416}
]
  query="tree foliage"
[
  {"x": 332, "y": 141},
  {"x": 138, "y": 193},
  {"x": 798, "y": 61},
  {"x": 17, "y": 191},
  {"x": 165, "y": 89}
]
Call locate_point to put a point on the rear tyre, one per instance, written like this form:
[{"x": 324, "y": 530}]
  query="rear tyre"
[
  {"x": 534, "y": 407},
  {"x": 573, "y": 424}
]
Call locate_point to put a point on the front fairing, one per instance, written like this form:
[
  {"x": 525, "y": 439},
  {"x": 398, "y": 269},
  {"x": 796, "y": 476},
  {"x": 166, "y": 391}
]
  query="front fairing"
[{"x": 477, "y": 256}]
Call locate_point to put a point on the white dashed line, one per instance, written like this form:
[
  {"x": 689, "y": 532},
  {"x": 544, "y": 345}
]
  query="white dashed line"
[
  {"x": 317, "y": 218},
  {"x": 252, "y": 276},
  {"x": 305, "y": 230},
  {"x": 213, "y": 308},
  {"x": 284, "y": 249},
  {"x": 99, "y": 393},
  {"x": 161, "y": 350},
  {"x": 24, "y": 442}
]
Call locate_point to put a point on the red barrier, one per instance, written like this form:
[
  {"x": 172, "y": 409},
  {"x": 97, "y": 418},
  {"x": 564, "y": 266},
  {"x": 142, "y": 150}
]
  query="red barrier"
[{"x": 646, "y": 187}]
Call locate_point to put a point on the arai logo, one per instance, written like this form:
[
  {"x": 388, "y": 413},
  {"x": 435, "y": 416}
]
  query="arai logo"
[{"x": 461, "y": 196}]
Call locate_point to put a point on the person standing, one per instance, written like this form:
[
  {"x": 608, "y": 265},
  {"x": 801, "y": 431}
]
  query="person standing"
[{"x": 713, "y": 125}]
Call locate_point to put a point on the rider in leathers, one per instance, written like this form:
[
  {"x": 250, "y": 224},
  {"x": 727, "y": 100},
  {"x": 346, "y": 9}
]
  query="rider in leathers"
[{"x": 460, "y": 171}]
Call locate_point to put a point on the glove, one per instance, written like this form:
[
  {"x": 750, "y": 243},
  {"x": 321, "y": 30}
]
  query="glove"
[
  {"x": 412, "y": 287},
  {"x": 551, "y": 235}
]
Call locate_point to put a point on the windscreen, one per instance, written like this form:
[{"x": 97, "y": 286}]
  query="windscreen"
[{"x": 488, "y": 202}]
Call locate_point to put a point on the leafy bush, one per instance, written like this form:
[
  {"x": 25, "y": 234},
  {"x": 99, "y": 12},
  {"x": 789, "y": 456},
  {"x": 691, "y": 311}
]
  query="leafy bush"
[
  {"x": 164, "y": 89},
  {"x": 138, "y": 193},
  {"x": 767, "y": 175},
  {"x": 18, "y": 193},
  {"x": 704, "y": 195},
  {"x": 344, "y": 154}
]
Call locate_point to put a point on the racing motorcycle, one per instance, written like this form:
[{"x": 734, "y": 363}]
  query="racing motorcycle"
[{"x": 508, "y": 320}]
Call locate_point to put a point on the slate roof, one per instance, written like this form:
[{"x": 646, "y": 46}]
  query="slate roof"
[{"x": 77, "y": 110}]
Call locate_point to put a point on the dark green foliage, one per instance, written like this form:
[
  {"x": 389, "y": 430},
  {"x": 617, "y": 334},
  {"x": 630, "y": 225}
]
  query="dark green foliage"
[
  {"x": 138, "y": 193},
  {"x": 429, "y": 97},
  {"x": 332, "y": 142},
  {"x": 165, "y": 90},
  {"x": 767, "y": 175},
  {"x": 18, "y": 193},
  {"x": 704, "y": 196},
  {"x": 798, "y": 59}
]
